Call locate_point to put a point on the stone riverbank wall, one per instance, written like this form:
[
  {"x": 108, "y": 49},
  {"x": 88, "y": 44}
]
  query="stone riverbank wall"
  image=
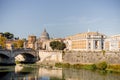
[
  {"x": 91, "y": 57},
  {"x": 50, "y": 57}
]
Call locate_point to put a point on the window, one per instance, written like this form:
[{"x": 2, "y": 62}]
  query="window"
[
  {"x": 89, "y": 44},
  {"x": 96, "y": 44}
]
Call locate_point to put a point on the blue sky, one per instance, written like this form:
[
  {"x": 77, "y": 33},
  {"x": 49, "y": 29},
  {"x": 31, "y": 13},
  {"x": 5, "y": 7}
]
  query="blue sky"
[{"x": 61, "y": 18}]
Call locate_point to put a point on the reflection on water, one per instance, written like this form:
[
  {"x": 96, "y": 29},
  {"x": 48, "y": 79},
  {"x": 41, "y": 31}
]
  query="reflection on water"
[
  {"x": 73, "y": 74},
  {"x": 34, "y": 72}
]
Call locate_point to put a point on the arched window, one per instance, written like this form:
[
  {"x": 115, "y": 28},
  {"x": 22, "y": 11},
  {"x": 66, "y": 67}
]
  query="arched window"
[{"x": 96, "y": 44}]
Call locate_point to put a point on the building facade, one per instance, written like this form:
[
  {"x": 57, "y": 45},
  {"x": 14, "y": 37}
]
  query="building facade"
[
  {"x": 31, "y": 41},
  {"x": 44, "y": 36},
  {"x": 88, "y": 41},
  {"x": 112, "y": 43}
]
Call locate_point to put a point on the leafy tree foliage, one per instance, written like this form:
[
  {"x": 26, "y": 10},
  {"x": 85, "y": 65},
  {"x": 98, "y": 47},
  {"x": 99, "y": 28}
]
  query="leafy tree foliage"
[
  {"x": 101, "y": 65},
  {"x": 57, "y": 45},
  {"x": 18, "y": 44},
  {"x": 8, "y": 35},
  {"x": 15, "y": 45},
  {"x": 2, "y": 42}
]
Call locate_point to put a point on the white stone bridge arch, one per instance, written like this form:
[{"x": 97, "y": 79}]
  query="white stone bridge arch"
[
  {"x": 8, "y": 56},
  {"x": 24, "y": 51}
]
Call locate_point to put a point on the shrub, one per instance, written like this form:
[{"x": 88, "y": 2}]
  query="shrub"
[
  {"x": 89, "y": 66},
  {"x": 77, "y": 66},
  {"x": 58, "y": 64},
  {"x": 101, "y": 65},
  {"x": 93, "y": 67},
  {"x": 114, "y": 67},
  {"x": 17, "y": 62},
  {"x": 66, "y": 65}
]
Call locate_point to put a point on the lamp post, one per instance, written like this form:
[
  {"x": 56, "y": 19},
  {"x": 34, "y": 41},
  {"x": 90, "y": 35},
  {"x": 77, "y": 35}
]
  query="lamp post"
[
  {"x": 11, "y": 53},
  {"x": 24, "y": 45}
]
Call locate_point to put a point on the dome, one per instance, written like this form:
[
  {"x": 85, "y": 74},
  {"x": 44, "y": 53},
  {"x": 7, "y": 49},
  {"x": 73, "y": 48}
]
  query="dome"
[{"x": 44, "y": 35}]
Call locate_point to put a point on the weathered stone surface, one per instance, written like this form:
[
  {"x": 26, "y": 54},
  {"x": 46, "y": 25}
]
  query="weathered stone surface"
[
  {"x": 50, "y": 56},
  {"x": 8, "y": 56},
  {"x": 91, "y": 57}
]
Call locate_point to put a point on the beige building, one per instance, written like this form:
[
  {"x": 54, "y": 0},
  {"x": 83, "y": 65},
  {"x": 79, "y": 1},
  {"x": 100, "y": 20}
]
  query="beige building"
[
  {"x": 88, "y": 41},
  {"x": 8, "y": 44},
  {"x": 44, "y": 36},
  {"x": 44, "y": 40},
  {"x": 31, "y": 41},
  {"x": 41, "y": 43},
  {"x": 112, "y": 43}
]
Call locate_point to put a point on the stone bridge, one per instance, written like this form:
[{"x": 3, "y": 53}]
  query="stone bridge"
[{"x": 8, "y": 56}]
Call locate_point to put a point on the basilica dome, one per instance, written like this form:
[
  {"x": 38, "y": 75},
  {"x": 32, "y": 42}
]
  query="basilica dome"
[{"x": 44, "y": 35}]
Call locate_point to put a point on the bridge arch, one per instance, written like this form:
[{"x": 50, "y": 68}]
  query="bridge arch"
[
  {"x": 25, "y": 57},
  {"x": 8, "y": 56},
  {"x": 4, "y": 58},
  {"x": 4, "y": 55}
]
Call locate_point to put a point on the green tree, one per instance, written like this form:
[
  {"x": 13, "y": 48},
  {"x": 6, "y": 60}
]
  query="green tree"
[
  {"x": 8, "y": 35},
  {"x": 2, "y": 42},
  {"x": 57, "y": 45},
  {"x": 18, "y": 44},
  {"x": 15, "y": 45}
]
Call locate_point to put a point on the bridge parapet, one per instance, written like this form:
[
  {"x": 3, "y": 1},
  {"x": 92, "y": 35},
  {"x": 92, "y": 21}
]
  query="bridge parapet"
[
  {"x": 20, "y": 51},
  {"x": 5, "y": 52}
]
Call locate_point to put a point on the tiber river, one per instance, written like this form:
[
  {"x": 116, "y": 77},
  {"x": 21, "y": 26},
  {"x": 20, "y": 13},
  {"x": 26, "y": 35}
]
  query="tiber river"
[{"x": 35, "y": 72}]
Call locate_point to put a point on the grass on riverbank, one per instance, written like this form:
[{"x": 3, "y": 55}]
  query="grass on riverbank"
[
  {"x": 103, "y": 66},
  {"x": 76, "y": 66},
  {"x": 113, "y": 68}
]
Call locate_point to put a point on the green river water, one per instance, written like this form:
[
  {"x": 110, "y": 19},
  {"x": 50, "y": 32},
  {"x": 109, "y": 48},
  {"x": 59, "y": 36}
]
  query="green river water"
[{"x": 36, "y": 72}]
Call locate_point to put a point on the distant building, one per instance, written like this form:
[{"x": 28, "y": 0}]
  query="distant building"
[
  {"x": 10, "y": 44},
  {"x": 112, "y": 43},
  {"x": 88, "y": 41},
  {"x": 43, "y": 41},
  {"x": 44, "y": 36},
  {"x": 31, "y": 41},
  {"x": 46, "y": 45}
]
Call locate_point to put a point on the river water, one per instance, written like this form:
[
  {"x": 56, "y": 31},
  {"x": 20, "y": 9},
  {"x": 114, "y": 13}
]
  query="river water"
[{"x": 35, "y": 72}]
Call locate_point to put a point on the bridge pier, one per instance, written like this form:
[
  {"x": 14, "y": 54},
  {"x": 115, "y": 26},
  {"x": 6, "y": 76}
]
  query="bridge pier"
[{"x": 7, "y": 61}]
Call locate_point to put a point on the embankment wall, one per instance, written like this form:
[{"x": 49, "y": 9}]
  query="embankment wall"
[{"x": 91, "y": 57}]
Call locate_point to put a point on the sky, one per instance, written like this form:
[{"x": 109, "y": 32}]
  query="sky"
[{"x": 61, "y": 18}]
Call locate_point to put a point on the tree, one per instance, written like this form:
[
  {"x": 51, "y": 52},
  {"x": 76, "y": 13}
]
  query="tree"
[
  {"x": 18, "y": 44},
  {"x": 2, "y": 42},
  {"x": 8, "y": 35},
  {"x": 57, "y": 45},
  {"x": 15, "y": 45}
]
